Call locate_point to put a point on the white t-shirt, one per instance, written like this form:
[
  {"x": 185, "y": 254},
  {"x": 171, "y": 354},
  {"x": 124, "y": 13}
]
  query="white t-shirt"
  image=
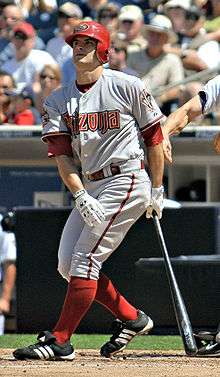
[
  {"x": 209, "y": 52},
  {"x": 59, "y": 50},
  {"x": 24, "y": 71}
]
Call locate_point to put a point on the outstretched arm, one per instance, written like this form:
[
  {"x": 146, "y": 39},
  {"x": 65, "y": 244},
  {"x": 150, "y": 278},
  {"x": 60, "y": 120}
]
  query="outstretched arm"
[
  {"x": 177, "y": 121},
  {"x": 184, "y": 115}
]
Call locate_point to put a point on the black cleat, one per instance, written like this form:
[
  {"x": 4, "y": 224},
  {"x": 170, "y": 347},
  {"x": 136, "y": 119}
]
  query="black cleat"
[
  {"x": 124, "y": 332},
  {"x": 46, "y": 349},
  {"x": 207, "y": 344}
]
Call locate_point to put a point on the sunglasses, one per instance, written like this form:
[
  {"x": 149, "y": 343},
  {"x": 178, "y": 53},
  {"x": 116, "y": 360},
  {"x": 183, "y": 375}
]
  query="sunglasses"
[
  {"x": 108, "y": 15},
  {"x": 63, "y": 15},
  {"x": 43, "y": 76},
  {"x": 128, "y": 22},
  {"x": 118, "y": 49},
  {"x": 20, "y": 36}
]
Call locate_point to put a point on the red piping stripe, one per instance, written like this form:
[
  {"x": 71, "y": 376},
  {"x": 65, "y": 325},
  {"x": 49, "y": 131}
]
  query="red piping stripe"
[{"x": 110, "y": 223}]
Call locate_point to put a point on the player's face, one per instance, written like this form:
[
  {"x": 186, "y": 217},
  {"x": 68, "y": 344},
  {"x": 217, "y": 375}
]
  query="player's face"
[{"x": 84, "y": 51}]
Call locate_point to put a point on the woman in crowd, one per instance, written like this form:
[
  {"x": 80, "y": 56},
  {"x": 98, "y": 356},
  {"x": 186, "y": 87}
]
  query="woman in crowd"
[{"x": 47, "y": 80}]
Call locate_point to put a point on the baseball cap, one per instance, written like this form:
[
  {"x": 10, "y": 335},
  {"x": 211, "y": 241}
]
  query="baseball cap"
[
  {"x": 185, "y": 4},
  {"x": 71, "y": 10},
  {"x": 161, "y": 24},
  {"x": 25, "y": 28},
  {"x": 131, "y": 13}
]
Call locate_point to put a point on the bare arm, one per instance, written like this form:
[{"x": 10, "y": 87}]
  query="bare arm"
[
  {"x": 177, "y": 121},
  {"x": 155, "y": 157},
  {"x": 181, "y": 117},
  {"x": 69, "y": 173},
  {"x": 8, "y": 286}
]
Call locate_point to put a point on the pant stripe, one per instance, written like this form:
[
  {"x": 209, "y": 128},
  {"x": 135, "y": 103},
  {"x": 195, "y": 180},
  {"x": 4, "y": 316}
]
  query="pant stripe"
[{"x": 109, "y": 224}]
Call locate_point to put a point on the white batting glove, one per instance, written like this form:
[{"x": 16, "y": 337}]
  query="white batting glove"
[
  {"x": 156, "y": 203},
  {"x": 89, "y": 208}
]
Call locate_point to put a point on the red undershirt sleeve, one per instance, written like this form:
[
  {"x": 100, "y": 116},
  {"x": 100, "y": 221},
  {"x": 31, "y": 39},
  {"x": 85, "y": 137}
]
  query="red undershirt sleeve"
[
  {"x": 59, "y": 145},
  {"x": 152, "y": 135}
]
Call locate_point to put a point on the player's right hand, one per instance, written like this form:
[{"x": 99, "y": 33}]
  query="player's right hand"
[
  {"x": 167, "y": 147},
  {"x": 90, "y": 209}
]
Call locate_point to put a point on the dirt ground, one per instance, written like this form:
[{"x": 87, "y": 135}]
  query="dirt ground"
[{"x": 88, "y": 363}]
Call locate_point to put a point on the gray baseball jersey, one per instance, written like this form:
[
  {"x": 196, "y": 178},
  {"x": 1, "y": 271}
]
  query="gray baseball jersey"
[
  {"x": 212, "y": 92},
  {"x": 105, "y": 125},
  {"x": 104, "y": 122}
]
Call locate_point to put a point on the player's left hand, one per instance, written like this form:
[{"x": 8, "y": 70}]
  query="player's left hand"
[
  {"x": 156, "y": 203},
  {"x": 216, "y": 143}
]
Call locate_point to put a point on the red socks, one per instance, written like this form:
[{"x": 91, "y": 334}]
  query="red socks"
[
  {"x": 79, "y": 297},
  {"x": 108, "y": 296}
]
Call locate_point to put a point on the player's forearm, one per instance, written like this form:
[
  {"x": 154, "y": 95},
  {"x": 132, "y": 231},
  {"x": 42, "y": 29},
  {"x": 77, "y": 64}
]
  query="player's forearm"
[
  {"x": 155, "y": 157},
  {"x": 69, "y": 173},
  {"x": 184, "y": 115},
  {"x": 9, "y": 280}
]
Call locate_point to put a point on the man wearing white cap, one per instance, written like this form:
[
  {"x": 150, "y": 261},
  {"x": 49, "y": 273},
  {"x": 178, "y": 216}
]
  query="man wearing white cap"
[
  {"x": 156, "y": 67},
  {"x": 68, "y": 15},
  {"x": 131, "y": 21},
  {"x": 175, "y": 10}
]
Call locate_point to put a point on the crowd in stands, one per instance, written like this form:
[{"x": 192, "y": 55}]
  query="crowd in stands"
[{"x": 162, "y": 42}]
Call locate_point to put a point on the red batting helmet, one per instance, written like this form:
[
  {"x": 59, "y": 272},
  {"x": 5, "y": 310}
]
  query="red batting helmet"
[{"x": 96, "y": 31}]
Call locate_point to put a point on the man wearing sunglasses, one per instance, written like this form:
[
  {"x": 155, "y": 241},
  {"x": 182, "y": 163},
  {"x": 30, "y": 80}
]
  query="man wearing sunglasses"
[
  {"x": 11, "y": 16},
  {"x": 131, "y": 21},
  {"x": 27, "y": 61}
]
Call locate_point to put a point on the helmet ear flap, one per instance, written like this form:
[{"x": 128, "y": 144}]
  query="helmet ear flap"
[{"x": 102, "y": 52}]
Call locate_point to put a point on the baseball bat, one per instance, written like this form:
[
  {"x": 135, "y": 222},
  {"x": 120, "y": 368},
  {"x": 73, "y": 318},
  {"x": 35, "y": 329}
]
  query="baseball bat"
[{"x": 181, "y": 314}]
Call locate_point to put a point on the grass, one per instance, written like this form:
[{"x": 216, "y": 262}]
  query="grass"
[{"x": 150, "y": 342}]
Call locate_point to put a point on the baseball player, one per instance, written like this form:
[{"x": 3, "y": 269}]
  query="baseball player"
[
  {"x": 208, "y": 342},
  {"x": 103, "y": 118},
  {"x": 200, "y": 104}
]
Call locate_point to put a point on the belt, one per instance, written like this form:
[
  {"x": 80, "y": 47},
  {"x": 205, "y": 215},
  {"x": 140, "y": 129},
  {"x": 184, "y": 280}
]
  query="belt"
[{"x": 114, "y": 169}]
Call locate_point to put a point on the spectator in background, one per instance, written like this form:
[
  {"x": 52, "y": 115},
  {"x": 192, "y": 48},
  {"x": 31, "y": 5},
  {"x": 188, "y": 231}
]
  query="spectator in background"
[
  {"x": 212, "y": 23},
  {"x": 118, "y": 58},
  {"x": 90, "y": 8},
  {"x": 68, "y": 15},
  {"x": 24, "y": 112},
  {"x": 131, "y": 21},
  {"x": 7, "y": 266},
  {"x": 42, "y": 15},
  {"x": 27, "y": 61},
  {"x": 108, "y": 16},
  {"x": 175, "y": 10},
  {"x": 48, "y": 80},
  {"x": 156, "y": 67},
  {"x": 12, "y": 15},
  {"x": 7, "y": 86}
]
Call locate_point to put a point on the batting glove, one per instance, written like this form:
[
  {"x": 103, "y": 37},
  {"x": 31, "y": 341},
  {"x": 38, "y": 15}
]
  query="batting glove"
[
  {"x": 90, "y": 209},
  {"x": 156, "y": 203}
]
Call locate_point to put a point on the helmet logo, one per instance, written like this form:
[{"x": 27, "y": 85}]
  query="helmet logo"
[{"x": 81, "y": 27}]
